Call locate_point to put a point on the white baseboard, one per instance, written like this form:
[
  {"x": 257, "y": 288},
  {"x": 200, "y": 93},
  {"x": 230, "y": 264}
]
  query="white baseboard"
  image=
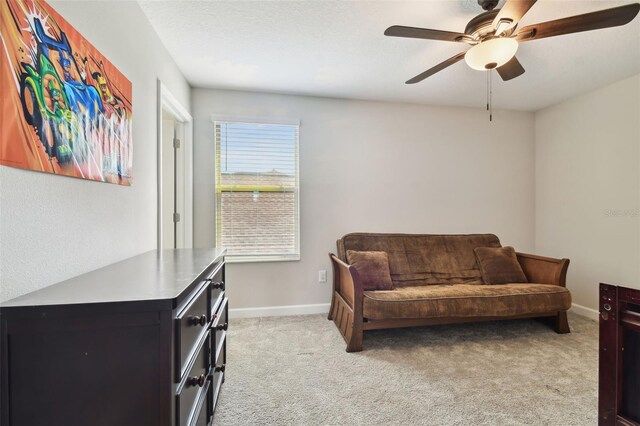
[
  {"x": 323, "y": 308},
  {"x": 585, "y": 312},
  {"x": 279, "y": 311}
]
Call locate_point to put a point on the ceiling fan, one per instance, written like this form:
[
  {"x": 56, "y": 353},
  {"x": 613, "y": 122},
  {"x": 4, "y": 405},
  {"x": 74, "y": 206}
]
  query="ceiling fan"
[{"x": 494, "y": 37}]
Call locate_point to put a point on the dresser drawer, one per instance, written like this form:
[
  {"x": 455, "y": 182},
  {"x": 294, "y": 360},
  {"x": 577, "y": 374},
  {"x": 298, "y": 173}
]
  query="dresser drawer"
[
  {"x": 194, "y": 388},
  {"x": 217, "y": 288},
  {"x": 216, "y": 383},
  {"x": 219, "y": 331},
  {"x": 201, "y": 413},
  {"x": 191, "y": 325}
]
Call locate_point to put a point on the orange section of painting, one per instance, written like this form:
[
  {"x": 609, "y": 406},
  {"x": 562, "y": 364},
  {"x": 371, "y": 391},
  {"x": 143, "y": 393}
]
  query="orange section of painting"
[{"x": 64, "y": 108}]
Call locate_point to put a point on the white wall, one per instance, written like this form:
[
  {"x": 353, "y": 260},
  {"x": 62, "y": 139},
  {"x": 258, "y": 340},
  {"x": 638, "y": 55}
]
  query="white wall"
[
  {"x": 587, "y": 160},
  {"x": 378, "y": 167},
  {"x": 52, "y": 227}
]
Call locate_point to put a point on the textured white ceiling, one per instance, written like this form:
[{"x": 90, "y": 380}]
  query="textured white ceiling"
[{"x": 337, "y": 49}]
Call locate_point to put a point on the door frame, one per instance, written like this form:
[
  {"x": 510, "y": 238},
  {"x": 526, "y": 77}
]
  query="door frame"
[{"x": 168, "y": 102}]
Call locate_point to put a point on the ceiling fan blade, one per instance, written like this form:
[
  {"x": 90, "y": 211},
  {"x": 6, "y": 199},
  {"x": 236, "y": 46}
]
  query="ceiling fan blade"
[
  {"x": 418, "y": 78},
  {"x": 424, "y": 33},
  {"x": 511, "y": 13},
  {"x": 511, "y": 69},
  {"x": 574, "y": 24}
]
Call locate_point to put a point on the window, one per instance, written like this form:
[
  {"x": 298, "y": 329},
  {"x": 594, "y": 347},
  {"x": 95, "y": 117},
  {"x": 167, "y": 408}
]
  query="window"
[{"x": 257, "y": 190}]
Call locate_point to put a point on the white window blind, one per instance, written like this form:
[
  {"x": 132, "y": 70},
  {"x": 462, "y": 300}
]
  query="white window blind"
[{"x": 257, "y": 190}]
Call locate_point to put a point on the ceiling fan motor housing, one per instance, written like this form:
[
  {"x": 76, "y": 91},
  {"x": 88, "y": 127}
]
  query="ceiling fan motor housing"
[{"x": 481, "y": 25}]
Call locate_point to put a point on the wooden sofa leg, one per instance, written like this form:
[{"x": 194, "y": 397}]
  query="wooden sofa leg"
[
  {"x": 355, "y": 343},
  {"x": 562, "y": 323},
  {"x": 349, "y": 325},
  {"x": 332, "y": 307}
]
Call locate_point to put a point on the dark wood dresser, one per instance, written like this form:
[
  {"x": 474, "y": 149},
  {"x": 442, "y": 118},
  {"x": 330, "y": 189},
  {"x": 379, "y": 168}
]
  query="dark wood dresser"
[
  {"x": 138, "y": 343},
  {"x": 619, "y": 373}
]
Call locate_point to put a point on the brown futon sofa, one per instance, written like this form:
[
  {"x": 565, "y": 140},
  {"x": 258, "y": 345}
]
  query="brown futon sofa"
[{"x": 402, "y": 280}]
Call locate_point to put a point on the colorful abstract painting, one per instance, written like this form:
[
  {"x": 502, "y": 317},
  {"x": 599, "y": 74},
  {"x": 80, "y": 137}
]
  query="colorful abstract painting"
[{"x": 64, "y": 108}]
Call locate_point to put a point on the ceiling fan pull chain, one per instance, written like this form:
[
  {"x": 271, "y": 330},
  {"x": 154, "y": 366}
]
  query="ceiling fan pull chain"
[
  {"x": 488, "y": 71},
  {"x": 490, "y": 97}
]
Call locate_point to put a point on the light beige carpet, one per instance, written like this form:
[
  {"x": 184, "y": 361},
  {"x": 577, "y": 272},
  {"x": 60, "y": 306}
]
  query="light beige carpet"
[{"x": 295, "y": 371}]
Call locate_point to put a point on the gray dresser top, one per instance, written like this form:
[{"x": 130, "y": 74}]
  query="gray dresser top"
[{"x": 154, "y": 275}]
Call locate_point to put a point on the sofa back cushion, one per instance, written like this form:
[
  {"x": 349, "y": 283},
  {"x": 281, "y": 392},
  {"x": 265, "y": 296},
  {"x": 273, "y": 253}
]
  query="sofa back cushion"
[{"x": 416, "y": 259}]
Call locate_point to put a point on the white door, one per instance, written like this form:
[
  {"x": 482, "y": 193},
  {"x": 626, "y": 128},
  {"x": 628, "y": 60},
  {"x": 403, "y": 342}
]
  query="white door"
[
  {"x": 168, "y": 183},
  {"x": 179, "y": 185},
  {"x": 175, "y": 168},
  {"x": 173, "y": 184}
]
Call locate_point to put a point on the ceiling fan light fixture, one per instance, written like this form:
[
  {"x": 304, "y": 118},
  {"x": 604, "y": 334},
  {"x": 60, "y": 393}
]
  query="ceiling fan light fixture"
[{"x": 491, "y": 53}]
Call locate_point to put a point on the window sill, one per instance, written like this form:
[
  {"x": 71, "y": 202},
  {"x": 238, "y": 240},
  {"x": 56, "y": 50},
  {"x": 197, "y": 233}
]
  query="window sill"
[{"x": 261, "y": 259}]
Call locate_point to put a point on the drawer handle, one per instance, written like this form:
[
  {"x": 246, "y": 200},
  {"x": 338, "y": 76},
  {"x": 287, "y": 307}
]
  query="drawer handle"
[
  {"x": 198, "y": 320},
  {"x": 197, "y": 380},
  {"x": 219, "y": 285},
  {"x": 221, "y": 368},
  {"x": 222, "y": 326}
]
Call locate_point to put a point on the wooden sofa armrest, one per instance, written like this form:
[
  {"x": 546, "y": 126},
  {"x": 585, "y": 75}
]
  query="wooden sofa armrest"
[
  {"x": 346, "y": 303},
  {"x": 544, "y": 270},
  {"x": 346, "y": 281}
]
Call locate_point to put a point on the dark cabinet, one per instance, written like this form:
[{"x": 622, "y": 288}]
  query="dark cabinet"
[
  {"x": 619, "y": 372},
  {"x": 139, "y": 342}
]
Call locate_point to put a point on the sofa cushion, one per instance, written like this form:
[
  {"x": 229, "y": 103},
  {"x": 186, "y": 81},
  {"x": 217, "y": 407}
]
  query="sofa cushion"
[
  {"x": 466, "y": 300},
  {"x": 499, "y": 265},
  {"x": 424, "y": 259},
  {"x": 373, "y": 268}
]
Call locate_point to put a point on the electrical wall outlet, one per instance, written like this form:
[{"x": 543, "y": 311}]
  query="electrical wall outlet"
[{"x": 322, "y": 276}]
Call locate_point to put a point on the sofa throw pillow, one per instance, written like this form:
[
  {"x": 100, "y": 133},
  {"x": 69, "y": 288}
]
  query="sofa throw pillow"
[
  {"x": 373, "y": 268},
  {"x": 499, "y": 265}
]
